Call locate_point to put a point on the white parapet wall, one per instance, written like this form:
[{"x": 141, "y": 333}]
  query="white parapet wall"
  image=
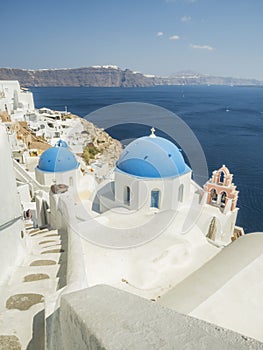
[
  {"x": 12, "y": 240},
  {"x": 103, "y": 317}
]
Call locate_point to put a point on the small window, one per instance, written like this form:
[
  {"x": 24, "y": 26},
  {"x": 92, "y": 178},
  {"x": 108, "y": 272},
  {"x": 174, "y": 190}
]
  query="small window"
[
  {"x": 155, "y": 199},
  {"x": 223, "y": 199},
  {"x": 222, "y": 177},
  {"x": 214, "y": 196},
  {"x": 71, "y": 181},
  {"x": 127, "y": 195},
  {"x": 181, "y": 193}
]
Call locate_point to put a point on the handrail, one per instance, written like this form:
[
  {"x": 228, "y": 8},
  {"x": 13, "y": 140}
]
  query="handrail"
[
  {"x": 29, "y": 179},
  {"x": 10, "y": 222}
]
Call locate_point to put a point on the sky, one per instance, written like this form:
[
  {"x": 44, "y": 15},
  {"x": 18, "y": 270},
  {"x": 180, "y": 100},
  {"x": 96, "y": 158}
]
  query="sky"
[{"x": 161, "y": 37}]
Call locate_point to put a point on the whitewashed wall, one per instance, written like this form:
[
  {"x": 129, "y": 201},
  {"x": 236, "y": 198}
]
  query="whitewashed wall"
[
  {"x": 12, "y": 245},
  {"x": 141, "y": 188},
  {"x": 69, "y": 178},
  {"x": 225, "y": 223},
  {"x": 14, "y": 98}
]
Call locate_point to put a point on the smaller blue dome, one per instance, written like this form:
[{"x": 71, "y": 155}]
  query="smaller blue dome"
[{"x": 57, "y": 159}]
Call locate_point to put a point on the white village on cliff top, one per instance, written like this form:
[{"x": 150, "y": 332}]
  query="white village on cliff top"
[{"x": 123, "y": 251}]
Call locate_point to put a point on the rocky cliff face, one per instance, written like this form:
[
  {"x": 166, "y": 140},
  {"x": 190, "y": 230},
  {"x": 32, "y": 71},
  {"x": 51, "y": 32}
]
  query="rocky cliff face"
[
  {"x": 104, "y": 147},
  {"x": 112, "y": 76},
  {"x": 193, "y": 78},
  {"x": 90, "y": 76}
]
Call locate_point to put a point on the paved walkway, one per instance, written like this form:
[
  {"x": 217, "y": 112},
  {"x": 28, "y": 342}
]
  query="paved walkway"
[{"x": 22, "y": 316}]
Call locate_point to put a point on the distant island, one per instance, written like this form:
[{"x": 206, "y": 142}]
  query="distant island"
[{"x": 113, "y": 76}]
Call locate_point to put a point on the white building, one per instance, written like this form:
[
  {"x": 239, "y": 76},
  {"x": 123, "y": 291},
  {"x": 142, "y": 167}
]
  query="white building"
[
  {"x": 57, "y": 165},
  {"x": 152, "y": 176},
  {"x": 14, "y": 100}
]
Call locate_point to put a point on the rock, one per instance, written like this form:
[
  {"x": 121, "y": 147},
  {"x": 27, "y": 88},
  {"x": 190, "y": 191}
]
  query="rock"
[{"x": 108, "y": 150}]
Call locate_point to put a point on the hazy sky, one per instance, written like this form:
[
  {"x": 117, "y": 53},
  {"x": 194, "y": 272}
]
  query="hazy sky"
[{"x": 220, "y": 37}]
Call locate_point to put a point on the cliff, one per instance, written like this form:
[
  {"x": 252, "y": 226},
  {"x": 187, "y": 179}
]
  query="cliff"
[
  {"x": 98, "y": 76},
  {"x": 193, "y": 78},
  {"x": 112, "y": 76},
  {"x": 103, "y": 147}
]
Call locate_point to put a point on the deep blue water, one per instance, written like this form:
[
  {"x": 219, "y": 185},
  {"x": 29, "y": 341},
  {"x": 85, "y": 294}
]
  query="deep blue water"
[{"x": 228, "y": 122}]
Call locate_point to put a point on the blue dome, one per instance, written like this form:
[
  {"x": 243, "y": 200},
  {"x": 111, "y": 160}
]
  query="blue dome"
[
  {"x": 152, "y": 157},
  {"x": 57, "y": 159}
]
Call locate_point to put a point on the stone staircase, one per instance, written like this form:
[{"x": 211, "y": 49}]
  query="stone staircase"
[{"x": 22, "y": 314}]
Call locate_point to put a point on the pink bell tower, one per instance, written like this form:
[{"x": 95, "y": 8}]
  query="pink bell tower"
[{"x": 221, "y": 191}]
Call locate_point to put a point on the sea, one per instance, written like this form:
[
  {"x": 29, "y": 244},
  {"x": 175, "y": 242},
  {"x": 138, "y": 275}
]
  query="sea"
[{"x": 226, "y": 120}]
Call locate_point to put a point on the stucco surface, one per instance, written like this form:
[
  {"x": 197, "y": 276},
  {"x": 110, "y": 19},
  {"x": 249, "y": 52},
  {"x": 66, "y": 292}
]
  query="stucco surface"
[{"x": 102, "y": 317}]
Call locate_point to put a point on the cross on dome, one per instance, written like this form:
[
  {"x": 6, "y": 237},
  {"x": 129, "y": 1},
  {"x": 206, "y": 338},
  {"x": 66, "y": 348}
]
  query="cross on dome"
[{"x": 153, "y": 132}]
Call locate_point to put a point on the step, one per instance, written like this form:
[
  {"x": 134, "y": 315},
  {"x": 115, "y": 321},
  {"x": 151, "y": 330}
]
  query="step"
[
  {"x": 23, "y": 324},
  {"x": 40, "y": 257},
  {"x": 22, "y": 271},
  {"x": 43, "y": 287},
  {"x": 22, "y": 297},
  {"x": 39, "y": 250}
]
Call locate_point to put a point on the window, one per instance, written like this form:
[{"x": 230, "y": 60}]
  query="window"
[
  {"x": 155, "y": 198},
  {"x": 214, "y": 196},
  {"x": 223, "y": 199},
  {"x": 127, "y": 195},
  {"x": 181, "y": 193},
  {"x": 222, "y": 177},
  {"x": 71, "y": 181}
]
